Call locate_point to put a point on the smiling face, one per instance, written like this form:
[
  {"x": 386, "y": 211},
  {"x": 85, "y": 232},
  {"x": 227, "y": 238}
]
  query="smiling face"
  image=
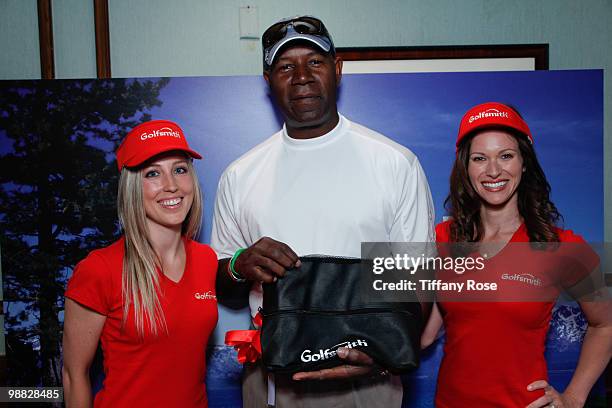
[
  {"x": 304, "y": 83},
  {"x": 495, "y": 167},
  {"x": 168, "y": 190}
]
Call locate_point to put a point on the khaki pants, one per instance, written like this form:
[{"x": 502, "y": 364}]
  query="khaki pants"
[{"x": 384, "y": 392}]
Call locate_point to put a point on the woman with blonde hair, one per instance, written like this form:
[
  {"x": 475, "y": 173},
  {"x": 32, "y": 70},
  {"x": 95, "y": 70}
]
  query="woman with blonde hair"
[{"x": 148, "y": 298}]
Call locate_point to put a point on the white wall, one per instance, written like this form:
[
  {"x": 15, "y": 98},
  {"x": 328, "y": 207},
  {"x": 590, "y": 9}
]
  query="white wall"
[
  {"x": 19, "y": 51},
  {"x": 74, "y": 38}
]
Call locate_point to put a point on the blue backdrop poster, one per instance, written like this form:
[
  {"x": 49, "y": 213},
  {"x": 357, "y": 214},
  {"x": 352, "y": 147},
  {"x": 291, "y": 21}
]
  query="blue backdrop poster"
[{"x": 223, "y": 117}]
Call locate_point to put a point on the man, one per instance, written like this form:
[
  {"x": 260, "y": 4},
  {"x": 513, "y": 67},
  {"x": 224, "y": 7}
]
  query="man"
[{"x": 321, "y": 185}]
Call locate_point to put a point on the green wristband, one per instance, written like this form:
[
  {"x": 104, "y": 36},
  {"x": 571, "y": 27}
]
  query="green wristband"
[{"x": 233, "y": 274}]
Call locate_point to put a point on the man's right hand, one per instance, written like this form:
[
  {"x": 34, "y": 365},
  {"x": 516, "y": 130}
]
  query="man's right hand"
[{"x": 266, "y": 260}]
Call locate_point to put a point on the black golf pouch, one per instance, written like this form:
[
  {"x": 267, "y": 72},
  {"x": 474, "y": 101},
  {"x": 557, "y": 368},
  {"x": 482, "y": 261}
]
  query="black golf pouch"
[{"x": 325, "y": 304}]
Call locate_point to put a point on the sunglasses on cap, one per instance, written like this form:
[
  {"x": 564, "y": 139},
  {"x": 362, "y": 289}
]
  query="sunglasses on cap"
[{"x": 305, "y": 28}]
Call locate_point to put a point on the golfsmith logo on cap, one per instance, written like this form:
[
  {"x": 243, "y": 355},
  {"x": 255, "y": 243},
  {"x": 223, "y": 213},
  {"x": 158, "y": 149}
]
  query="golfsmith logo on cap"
[
  {"x": 165, "y": 131},
  {"x": 150, "y": 139},
  {"x": 489, "y": 113}
]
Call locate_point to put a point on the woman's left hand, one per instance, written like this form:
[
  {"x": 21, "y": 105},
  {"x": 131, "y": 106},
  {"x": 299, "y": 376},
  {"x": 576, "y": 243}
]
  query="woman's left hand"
[{"x": 552, "y": 398}]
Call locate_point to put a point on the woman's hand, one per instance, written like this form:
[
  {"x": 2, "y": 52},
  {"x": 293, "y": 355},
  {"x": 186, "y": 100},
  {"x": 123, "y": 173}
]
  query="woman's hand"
[
  {"x": 551, "y": 397},
  {"x": 359, "y": 365}
]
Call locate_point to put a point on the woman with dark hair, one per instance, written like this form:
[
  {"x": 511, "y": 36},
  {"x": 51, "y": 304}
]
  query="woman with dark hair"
[
  {"x": 148, "y": 298},
  {"x": 494, "y": 351}
]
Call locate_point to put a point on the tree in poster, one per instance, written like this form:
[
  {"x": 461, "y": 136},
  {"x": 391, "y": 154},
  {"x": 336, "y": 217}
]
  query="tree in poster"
[{"x": 57, "y": 198}]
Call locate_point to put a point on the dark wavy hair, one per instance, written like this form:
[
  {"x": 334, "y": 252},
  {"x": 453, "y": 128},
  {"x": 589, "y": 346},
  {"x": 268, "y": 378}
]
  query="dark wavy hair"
[{"x": 534, "y": 204}]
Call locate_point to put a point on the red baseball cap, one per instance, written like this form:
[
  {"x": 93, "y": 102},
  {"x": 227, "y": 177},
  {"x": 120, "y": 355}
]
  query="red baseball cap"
[
  {"x": 150, "y": 139},
  {"x": 492, "y": 115}
]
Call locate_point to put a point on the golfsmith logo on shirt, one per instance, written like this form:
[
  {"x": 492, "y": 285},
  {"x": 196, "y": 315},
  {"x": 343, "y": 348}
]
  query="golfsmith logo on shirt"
[
  {"x": 205, "y": 296},
  {"x": 492, "y": 112},
  {"x": 523, "y": 277},
  {"x": 165, "y": 131}
]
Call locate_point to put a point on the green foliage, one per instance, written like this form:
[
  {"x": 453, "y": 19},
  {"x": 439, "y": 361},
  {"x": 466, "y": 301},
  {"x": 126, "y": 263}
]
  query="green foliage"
[{"x": 58, "y": 182}]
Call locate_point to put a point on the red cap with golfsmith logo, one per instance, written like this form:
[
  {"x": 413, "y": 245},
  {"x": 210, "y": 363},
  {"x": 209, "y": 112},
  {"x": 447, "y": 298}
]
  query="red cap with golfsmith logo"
[
  {"x": 492, "y": 115},
  {"x": 150, "y": 139}
]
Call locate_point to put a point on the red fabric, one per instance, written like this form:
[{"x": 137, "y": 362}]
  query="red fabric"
[
  {"x": 150, "y": 139},
  {"x": 494, "y": 350},
  {"x": 246, "y": 342},
  {"x": 167, "y": 370},
  {"x": 491, "y": 115}
]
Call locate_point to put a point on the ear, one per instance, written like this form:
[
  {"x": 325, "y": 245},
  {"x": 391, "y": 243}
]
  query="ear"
[
  {"x": 338, "y": 67},
  {"x": 266, "y": 75}
]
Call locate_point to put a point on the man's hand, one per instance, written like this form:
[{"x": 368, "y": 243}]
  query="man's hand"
[
  {"x": 359, "y": 365},
  {"x": 266, "y": 260}
]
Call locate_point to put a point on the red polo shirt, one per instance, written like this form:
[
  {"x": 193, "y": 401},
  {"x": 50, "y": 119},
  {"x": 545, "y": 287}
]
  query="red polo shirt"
[
  {"x": 166, "y": 370},
  {"x": 494, "y": 349}
]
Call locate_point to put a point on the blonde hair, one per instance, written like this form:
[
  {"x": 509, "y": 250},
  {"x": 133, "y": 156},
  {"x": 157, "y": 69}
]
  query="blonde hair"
[{"x": 140, "y": 280}]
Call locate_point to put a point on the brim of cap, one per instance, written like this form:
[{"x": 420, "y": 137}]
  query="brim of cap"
[
  {"x": 139, "y": 159},
  {"x": 491, "y": 125},
  {"x": 318, "y": 41}
]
